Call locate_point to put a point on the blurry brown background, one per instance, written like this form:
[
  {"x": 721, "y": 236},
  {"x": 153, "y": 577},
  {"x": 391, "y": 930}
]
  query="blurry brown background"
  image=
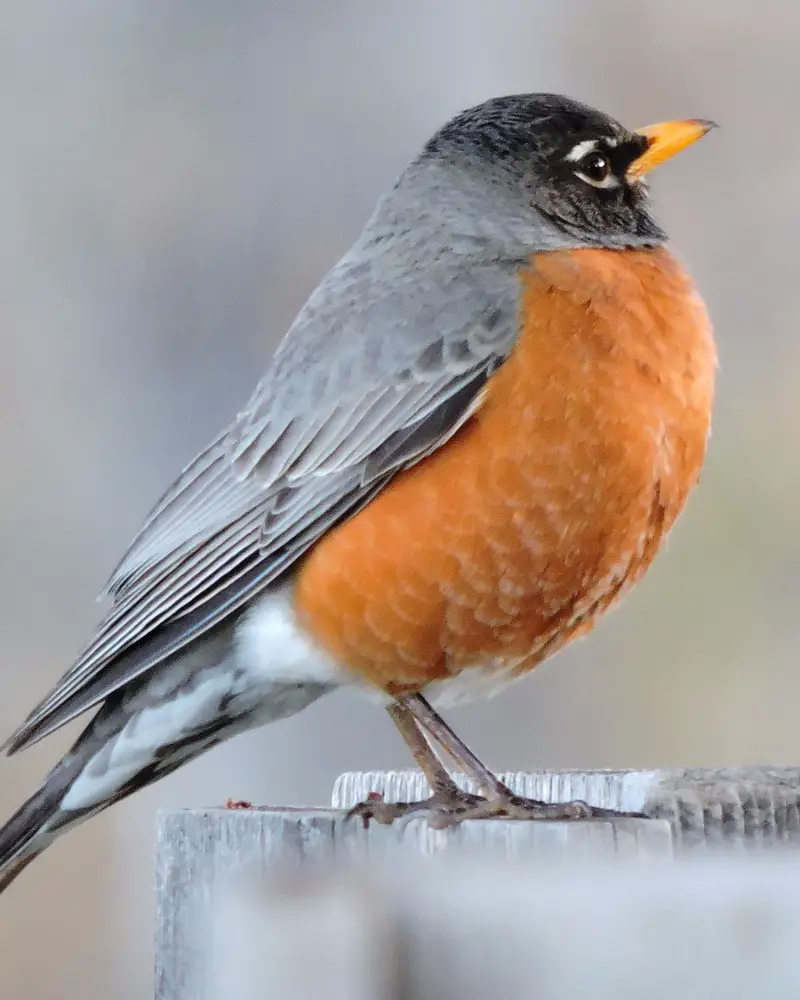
[{"x": 174, "y": 179}]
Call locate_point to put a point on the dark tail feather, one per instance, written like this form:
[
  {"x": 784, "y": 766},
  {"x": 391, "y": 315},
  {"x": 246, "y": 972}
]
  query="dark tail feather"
[
  {"x": 18, "y": 837},
  {"x": 9, "y": 871},
  {"x": 37, "y": 823}
]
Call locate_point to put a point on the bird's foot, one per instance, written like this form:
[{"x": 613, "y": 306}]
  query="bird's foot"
[{"x": 450, "y": 806}]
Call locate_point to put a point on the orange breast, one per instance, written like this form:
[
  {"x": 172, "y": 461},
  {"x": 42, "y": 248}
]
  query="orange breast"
[{"x": 549, "y": 503}]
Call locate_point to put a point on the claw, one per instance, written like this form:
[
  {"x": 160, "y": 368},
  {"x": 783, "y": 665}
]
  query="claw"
[{"x": 374, "y": 808}]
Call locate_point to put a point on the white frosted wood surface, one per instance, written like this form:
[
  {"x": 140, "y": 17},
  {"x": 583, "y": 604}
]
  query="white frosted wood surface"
[
  {"x": 195, "y": 850},
  {"x": 334, "y": 942},
  {"x": 201, "y": 852},
  {"x": 471, "y": 930},
  {"x": 744, "y": 806}
]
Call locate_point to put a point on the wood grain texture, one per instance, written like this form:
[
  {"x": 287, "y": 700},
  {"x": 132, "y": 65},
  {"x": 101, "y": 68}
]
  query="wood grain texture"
[
  {"x": 195, "y": 851},
  {"x": 204, "y": 855},
  {"x": 742, "y": 807}
]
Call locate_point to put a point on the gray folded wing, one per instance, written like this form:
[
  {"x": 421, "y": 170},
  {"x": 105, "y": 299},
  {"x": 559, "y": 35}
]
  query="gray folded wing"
[{"x": 373, "y": 375}]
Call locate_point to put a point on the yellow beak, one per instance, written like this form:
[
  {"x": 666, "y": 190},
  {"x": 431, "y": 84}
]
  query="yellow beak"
[{"x": 665, "y": 140}]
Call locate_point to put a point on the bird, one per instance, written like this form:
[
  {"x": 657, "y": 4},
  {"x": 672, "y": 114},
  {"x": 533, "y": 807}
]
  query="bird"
[{"x": 469, "y": 445}]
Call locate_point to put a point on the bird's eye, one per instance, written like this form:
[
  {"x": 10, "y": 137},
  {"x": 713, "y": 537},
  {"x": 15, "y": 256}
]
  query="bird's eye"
[{"x": 595, "y": 168}]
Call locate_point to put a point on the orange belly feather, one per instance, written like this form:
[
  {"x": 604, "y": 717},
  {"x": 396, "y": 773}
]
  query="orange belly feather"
[{"x": 549, "y": 503}]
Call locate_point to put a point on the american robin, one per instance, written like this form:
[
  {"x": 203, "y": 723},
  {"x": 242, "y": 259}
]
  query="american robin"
[{"x": 472, "y": 442}]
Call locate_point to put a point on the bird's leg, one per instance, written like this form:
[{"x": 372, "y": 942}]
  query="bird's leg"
[
  {"x": 446, "y": 799},
  {"x": 423, "y": 753},
  {"x": 498, "y": 799},
  {"x": 423, "y": 712}
]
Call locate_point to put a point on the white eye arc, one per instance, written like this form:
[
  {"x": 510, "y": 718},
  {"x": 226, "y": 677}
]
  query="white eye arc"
[{"x": 580, "y": 150}]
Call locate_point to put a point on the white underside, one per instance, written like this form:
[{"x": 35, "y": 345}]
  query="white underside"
[
  {"x": 481, "y": 681},
  {"x": 273, "y": 645}
]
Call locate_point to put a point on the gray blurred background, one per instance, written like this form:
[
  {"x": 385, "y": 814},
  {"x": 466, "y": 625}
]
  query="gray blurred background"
[{"x": 174, "y": 179}]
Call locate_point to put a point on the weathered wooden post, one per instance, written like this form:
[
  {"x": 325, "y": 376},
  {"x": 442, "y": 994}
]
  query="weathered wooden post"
[{"x": 282, "y": 903}]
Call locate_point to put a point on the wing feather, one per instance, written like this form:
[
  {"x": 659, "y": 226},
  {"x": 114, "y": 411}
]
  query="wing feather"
[{"x": 344, "y": 405}]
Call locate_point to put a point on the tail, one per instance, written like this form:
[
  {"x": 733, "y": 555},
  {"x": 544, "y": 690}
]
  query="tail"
[
  {"x": 140, "y": 734},
  {"x": 14, "y": 868},
  {"x": 37, "y": 823}
]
